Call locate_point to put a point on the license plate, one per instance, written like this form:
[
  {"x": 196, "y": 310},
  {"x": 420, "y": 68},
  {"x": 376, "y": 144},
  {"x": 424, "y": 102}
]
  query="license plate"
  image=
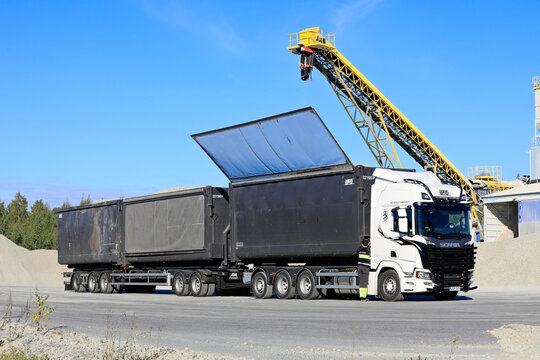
[{"x": 454, "y": 288}]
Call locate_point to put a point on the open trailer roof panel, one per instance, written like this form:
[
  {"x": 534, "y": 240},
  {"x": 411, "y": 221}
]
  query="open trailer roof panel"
[{"x": 281, "y": 144}]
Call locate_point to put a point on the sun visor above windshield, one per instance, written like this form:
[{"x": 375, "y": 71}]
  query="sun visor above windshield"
[{"x": 280, "y": 144}]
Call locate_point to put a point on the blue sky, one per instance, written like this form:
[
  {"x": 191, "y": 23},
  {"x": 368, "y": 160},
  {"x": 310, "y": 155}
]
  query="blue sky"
[{"x": 100, "y": 97}]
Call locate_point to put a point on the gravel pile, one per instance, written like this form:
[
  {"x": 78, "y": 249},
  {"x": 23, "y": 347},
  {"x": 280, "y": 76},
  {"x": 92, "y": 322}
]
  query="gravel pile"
[
  {"x": 518, "y": 341},
  {"x": 22, "y": 267},
  {"x": 509, "y": 263}
]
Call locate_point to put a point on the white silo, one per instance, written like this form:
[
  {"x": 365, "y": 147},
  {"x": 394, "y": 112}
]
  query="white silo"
[{"x": 534, "y": 153}]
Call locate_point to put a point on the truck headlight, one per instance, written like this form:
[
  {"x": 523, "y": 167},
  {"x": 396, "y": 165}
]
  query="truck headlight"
[{"x": 423, "y": 275}]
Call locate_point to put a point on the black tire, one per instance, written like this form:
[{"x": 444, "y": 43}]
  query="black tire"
[
  {"x": 196, "y": 285},
  {"x": 283, "y": 285},
  {"x": 211, "y": 290},
  {"x": 389, "y": 287},
  {"x": 306, "y": 287},
  {"x": 105, "y": 283},
  {"x": 445, "y": 295},
  {"x": 180, "y": 285},
  {"x": 75, "y": 282},
  {"x": 93, "y": 282},
  {"x": 260, "y": 287}
]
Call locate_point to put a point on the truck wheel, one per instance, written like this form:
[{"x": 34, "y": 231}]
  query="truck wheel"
[
  {"x": 180, "y": 285},
  {"x": 283, "y": 286},
  {"x": 196, "y": 285},
  {"x": 93, "y": 282},
  {"x": 445, "y": 295},
  {"x": 105, "y": 283},
  {"x": 306, "y": 286},
  {"x": 389, "y": 287},
  {"x": 75, "y": 282},
  {"x": 260, "y": 287}
]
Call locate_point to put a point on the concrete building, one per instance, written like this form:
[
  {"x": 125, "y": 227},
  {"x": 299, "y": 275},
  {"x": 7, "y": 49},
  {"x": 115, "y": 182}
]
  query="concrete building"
[
  {"x": 534, "y": 152},
  {"x": 512, "y": 213}
]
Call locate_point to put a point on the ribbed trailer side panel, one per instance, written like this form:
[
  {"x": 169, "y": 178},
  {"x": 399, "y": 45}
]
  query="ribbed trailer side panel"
[
  {"x": 178, "y": 227},
  {"x": 89, "y": 234},
  {"x": 319, "y": 216}
]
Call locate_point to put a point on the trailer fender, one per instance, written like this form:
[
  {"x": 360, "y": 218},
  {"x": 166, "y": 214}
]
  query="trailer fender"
[
  {"x": 207, "y": 276},
  {"x": 270, "y": 272},
  {"x": 294, "y": 272}
]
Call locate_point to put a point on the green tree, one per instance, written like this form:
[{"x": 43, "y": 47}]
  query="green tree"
[
  {"x": 86, "y": 201},
  {"x": 3, "y": 213},
  {"x": 40, "y": 227},
  {"x": 17, "y": 212},
  {"x": 65, "y": 205}
]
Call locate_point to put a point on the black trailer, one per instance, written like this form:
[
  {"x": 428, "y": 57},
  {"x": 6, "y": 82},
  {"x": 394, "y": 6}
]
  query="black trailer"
[
  {"x": 176, "y": 229},
  {"x": 318, "y": 217},
  {"x": 90, "y": 235},
  {"x": 172, "y": 238}
]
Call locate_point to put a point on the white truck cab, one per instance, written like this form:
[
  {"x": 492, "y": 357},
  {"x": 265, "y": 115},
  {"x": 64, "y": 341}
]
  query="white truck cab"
[{"x": 420, "y": 236}]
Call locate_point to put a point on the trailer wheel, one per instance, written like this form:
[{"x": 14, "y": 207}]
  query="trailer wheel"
[
  {"x": 180, "y": 285},
  {"x": 389, "y": 287},
  {"x": 93, "y": 282},
  {"x": 446, "y": 295},
  {"x": 105, "y": 283},
  {"x": 260, "y": 287},
  {"x": 306, "y": 286},
  {"x": 283, "y": 285},
  {"x": 75, "y": 282},
  {"x": 196, "y": 285}
]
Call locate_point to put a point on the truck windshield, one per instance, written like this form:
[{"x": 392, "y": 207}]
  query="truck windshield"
[{"x": 436, "y": 220}]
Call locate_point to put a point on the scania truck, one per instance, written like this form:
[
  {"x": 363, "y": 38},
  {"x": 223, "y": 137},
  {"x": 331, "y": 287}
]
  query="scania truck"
[{"x": 298, "y": 219}]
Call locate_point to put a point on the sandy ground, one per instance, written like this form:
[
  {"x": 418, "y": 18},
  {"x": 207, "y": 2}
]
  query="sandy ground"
[
  {"x": 19, "y": 266},
  {"x": 53, "y": 344},
  {"x": 508, "y": 263},
  {"x": 516, "y": 341}
]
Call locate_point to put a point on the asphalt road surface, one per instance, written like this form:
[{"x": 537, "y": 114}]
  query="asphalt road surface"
[{"x": 296, "y": 329}]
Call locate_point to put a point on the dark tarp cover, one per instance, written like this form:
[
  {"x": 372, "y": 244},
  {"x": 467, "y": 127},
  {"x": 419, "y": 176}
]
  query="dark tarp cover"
[{"x": 280, "y": 144}]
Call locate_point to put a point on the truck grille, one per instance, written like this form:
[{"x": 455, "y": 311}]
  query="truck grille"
[{"x": 450, "y": 267}]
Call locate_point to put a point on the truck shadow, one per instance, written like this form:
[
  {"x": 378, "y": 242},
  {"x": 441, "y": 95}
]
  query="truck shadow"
[{"x": 432, "y": 298}]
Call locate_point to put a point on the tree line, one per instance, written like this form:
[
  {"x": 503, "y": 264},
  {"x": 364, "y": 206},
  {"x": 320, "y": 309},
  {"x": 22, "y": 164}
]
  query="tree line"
[{"x": 34, "y": 229}]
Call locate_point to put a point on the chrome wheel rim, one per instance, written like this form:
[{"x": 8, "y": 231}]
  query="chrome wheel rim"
[
  {"x": 104, "y": 282},
  {"x": 390, "y": 285},
  {"x": 179, "y": 283},
  {"x": 305, "y": 285},
  {"x": 283, "y": 285},
  {"x": 259, "y": 285}
]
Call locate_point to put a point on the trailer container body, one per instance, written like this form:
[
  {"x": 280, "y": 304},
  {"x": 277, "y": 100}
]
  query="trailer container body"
[
  {"x": 90, "y": 234},
  {"x": 179, "y": 227},
  {"x": 319, "y": 216},
  {"x": 175, "y": 228}
]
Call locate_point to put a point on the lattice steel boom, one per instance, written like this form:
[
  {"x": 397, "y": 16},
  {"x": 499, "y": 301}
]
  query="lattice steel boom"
[{"x": 379, "y": 122}]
